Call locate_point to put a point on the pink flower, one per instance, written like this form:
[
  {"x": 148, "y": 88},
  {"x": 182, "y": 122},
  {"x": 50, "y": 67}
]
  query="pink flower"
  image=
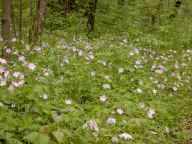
[
  {"x": 18, "y": 75},
  {"x": 92, "y": 125},
  {"x": 31, "y": 66},
  {"x": 18, "y": 83},
  {"x": 3, "y": 61}
]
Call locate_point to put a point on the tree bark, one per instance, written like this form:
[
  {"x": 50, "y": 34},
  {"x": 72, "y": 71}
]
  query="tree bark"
[
  {"x": 6, "y": 24},
  {"x": 66, "y": 7},
  {"x": 91, "y": 15},
  {"x": 39, "y": 21}
]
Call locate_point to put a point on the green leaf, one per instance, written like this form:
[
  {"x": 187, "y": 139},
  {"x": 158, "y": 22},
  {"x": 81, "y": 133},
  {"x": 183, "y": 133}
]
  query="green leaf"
[
  {"x": 58, "y": 135},
  {"x": 37, "y": 138}
]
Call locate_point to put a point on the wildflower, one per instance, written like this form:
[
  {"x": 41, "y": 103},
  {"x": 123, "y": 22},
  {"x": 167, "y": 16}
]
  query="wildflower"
[
  {"x": 136, "y": 50},
  {"x": 68, "y": 101},
  {"x": 38, "y": 49},
  {"x": 3, "y": 82},
  {"x": 80, "y": 52},
  {"x": 167, "y": 130},
  {"x": 104, "y": 63},
  {"x": 120, "y": 70},
  {"x": 22, "y": 59},
  {"x": 120, "y": 111},
  {"x": 31, "y": 66},
  {"x": 114, "y": 140},
  {"x": 14, "y": 40},
  {"x": 107, "y": 77},
  {"x": 44, "y": 96},
  {"x": 106, "y": 86},
  {"x": 18, "y": 75},
  {"x": 138, "y": 90},
  {"x": 160, "y": 69},
  {"x": 93, "y": 73},
  {"x": 174, "y": 88},
  {"x": 90, "y": 56},
  {"x": 18, "y": 83},
  {"x": 125, "y": 136},
  {"x": 151, "y": 113},
  {"x": 46, "y": 72},
  {"x": 8, "y": 50},
  {"x": 4, "y": 72},
  {"x": 91, "y": 125},
  {"x": 103, "y": 98},
  {"x": 111, "y": 121},
  {"x": 154, "y": 91},
  {"x": 142, "y": 105},
  {"x": 66, "y": 60},
  {"x": 3, "y": 61}
]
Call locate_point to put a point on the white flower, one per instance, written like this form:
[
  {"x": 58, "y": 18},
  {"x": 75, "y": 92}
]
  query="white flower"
[
  {"x": 66, "y": 60},
  {"x": 14, "y": 40},
  {"x": 38, "y": 49},
  {"x": 1, "y": 104},
  {"x": 106, "y": 86},
  {"x": 151, "y": 113},
  {"x": 154, "y": 91},
  {"x": 142, "y": 105},
  {"x": 44, "y": 96},
  {"x": 125, "y": 136},
  {"x": 120, "y": 70},
  {"x": 8, "y": 50},
  {"x": 1, "y": 39},
  {"x": 138, "y": 90},
  {"x": 160, "y": 69},
  {"x": 167, "y": 130},
  {"x": 80, "y": 52},
  {"x": 46, "y": 72},
  {"x": 120, "y": 111},
  {"x": 91, "y": 125},
  {"x": 114, "y": 140},
  {"x": 111, "y": 121},
  {"x": 136, "y": 50},
  {"x": 107, "y": 77},
  {"x": 3, "y": 61},
  {"x": 22, "y": 59},
  {"x": 90, "y": 56},
  {"x": 18, "y": 83},
  {"x": 18, "y": 75},
  {"x": 68, "y": 101},
  {"x": 31, "y": 66},
  {"x": 4, "y": 72},
  {"x": 175, "y": 88},
  {"x": 93, "y": 73},
  {"x": 104, "y": 63},
  {"x": 3, "y": 82},
  {"x": 103, "y": 98}
]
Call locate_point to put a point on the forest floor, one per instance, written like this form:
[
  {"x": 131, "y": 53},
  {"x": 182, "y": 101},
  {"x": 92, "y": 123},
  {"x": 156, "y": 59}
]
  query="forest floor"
[{"x": 102, "y": 91}]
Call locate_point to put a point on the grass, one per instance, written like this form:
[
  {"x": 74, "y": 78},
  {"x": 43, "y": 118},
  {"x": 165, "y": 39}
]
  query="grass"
[{"x": 154, "y": 100}]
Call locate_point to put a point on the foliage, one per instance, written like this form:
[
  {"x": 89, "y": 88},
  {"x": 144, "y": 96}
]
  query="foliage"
[{"x": 130, "y": 64}]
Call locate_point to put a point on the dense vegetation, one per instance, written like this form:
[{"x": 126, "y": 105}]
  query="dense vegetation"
[{"x": 96, "y": 72}]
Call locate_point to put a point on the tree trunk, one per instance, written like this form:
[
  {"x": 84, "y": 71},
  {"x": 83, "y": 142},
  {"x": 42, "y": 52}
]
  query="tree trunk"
[
  {"x": 6, "y": 24},
  {"x": 66, "y": 7},
  {"x": 121, "y": 2},
  {"x": 39, "y": 21},
  {"x": 91, "y": 15}
]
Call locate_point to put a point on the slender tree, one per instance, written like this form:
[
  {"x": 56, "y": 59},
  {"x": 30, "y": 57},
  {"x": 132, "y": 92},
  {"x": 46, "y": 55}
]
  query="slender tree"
[
  {"x": 66, "y": 7},
  {"x": 178, "y": 4},
  {"x": 39, "y": 21},
  {"x": 20, "y": 18},
  {"x": 121, "y": 2},
  {"x": 91, "y": 15},
  {"x": 6, "y": 24}
]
